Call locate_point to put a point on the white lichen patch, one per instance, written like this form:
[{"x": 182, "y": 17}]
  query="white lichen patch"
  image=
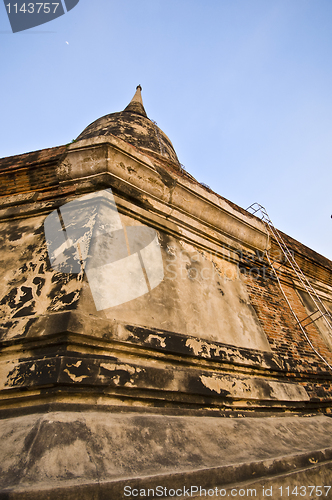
[
  {"x": 76, "y": 365},
  {"x": 235, "y": 388},
  {"x": 74, "y": 377},
  {"x": 115, "y": 374},
  {"x": 8, "y": 373},
  {"x": 114, "y": 367},
  {"x": 160, "y": 340},
  {"x": 212, "y": 383},
  {"x": 254, "y": 388},
  {"x": 200, "y": 347}
]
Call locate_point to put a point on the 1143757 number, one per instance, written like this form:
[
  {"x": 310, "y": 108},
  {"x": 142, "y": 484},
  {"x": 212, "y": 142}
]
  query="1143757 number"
[
  {"x": 303, "y": 491},
  {"x": 33, "y": 8}
]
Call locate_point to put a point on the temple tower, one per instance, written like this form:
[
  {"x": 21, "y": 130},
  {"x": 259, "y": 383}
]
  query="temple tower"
[{"x": 145, "y": 338}]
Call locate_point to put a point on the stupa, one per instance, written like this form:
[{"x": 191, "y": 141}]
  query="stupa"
[{"x": 156, "y": 339}]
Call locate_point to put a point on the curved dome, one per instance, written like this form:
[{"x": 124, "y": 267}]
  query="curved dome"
[{"x": 133, "y": 126}]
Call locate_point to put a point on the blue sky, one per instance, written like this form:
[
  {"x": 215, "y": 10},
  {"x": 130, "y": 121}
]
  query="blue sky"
[{"x": 241, "y": 87}]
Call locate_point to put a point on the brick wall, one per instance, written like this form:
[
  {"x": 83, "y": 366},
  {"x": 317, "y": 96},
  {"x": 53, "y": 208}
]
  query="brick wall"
[
  {"x": 30, "y": 172},
  {"x": 281, "y": 328}
]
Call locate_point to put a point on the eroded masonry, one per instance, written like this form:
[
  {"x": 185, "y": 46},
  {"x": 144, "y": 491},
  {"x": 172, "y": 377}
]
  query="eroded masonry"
[{"x": 152, "y": 332}]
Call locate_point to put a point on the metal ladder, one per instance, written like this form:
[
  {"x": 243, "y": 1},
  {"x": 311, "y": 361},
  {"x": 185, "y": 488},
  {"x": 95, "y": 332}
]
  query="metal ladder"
[{"x": 321, "y": 310}]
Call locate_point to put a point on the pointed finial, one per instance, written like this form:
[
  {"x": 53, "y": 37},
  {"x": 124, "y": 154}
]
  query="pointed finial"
[{"x": 136, "y": 104}]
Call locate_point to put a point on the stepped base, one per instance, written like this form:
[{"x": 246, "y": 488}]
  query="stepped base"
[{"x": 105, "y": 455}]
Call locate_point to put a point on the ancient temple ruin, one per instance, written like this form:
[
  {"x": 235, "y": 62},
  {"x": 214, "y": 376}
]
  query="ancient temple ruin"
[{"x": 153, "y": 333}]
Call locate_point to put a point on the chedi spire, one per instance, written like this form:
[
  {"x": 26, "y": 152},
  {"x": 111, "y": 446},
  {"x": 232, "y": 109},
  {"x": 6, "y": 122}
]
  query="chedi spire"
[{"x": 136, "y": 104}]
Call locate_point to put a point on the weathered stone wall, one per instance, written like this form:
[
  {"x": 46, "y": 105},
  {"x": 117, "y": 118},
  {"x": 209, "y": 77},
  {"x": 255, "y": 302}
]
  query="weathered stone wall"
[
  {"x": 215, "y": 333},
  {"x": 215, "y": 338}
]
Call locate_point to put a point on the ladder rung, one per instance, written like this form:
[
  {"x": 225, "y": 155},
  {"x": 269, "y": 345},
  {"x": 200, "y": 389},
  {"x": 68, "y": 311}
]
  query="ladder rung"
[
  {"x": 312, "y": 321},
  {"x": 309, "y": 315}
]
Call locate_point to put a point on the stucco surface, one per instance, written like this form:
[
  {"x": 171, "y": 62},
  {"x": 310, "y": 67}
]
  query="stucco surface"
[
  {"x": 30, "y": 287},
  {"x": 201, "y": 378},
  {"x": 200, "y": 293},
  {"x": 96, "y": 447}
]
